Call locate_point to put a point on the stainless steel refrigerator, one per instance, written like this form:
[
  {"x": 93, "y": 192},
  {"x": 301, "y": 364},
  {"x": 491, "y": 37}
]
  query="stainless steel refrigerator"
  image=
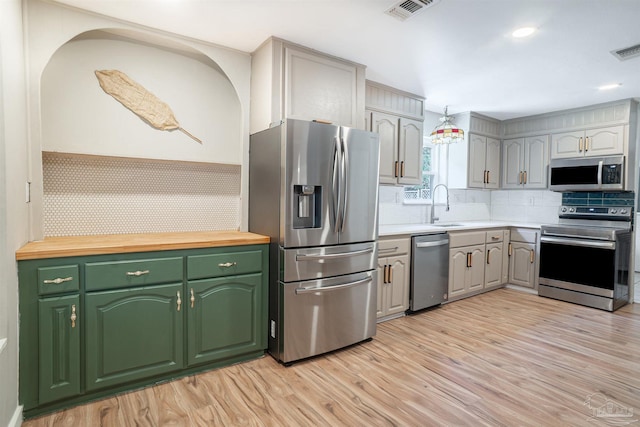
[{"x": 313, "y": 188}]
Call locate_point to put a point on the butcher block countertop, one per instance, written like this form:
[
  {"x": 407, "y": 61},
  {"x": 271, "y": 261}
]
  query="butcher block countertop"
[{"x": 56, "y": 247}]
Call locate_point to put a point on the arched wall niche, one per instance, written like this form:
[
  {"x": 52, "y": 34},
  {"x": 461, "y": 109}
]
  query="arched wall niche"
[
  {"x": 79, "y": 117},
  {"x": 107, "y": 171}
]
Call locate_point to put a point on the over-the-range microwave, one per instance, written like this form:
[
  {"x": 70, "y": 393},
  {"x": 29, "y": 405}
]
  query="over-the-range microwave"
[{"x": 587, "y": 174}]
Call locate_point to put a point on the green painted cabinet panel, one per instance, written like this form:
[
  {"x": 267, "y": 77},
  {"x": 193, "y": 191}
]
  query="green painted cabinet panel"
[
  {"x": 59, "y": 354},
  {"x": 58, "y": 279},
  {"x": 138, "y": 272},
  {"x": 225, "y": 318},
  {"x": 223, "y": 264},
  {"x": 133, "y": 334}
]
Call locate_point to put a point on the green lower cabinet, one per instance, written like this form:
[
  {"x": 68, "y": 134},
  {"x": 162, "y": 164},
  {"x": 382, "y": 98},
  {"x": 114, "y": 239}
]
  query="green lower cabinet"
[
  {"x": 225, "y": 318},
  {"x": 133, "y": 334},
  {"x": 59, "y": 354}
]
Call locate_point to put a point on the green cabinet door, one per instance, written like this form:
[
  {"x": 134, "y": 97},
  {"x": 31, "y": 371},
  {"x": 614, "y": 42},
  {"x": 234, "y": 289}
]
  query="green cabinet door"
[
  {"x": 133, "y": 334},
  {"x": 225, "y": 318},
  {"x": 59, "y": 354}
]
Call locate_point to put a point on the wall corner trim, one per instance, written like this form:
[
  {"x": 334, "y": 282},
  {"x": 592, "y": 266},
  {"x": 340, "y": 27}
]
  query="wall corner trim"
[{"x": 16, "y": 419}]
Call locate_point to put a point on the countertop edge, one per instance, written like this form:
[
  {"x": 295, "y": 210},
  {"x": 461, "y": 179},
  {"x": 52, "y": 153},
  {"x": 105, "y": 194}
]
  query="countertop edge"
[
  {"x": 415, "y": 229},
  {"x": 59, "y": 247}
]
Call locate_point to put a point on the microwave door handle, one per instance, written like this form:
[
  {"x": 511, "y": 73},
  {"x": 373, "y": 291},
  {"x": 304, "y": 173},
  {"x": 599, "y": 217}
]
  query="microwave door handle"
[{"x": 600, "y": 174}]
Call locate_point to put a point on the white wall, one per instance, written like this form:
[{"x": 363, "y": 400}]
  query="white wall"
[
  {"x": 13, "y": 209},
  {"x": 50, "y": 26},
  {"x": 79, "y": 117}
]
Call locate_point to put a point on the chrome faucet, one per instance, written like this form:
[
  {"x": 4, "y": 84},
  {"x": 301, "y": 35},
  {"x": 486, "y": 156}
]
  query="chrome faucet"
[{"x": 433, "y": 202}]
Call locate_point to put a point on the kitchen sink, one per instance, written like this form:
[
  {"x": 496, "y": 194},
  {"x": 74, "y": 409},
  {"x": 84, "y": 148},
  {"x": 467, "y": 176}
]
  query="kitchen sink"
[{"x": 447, "y": 225}]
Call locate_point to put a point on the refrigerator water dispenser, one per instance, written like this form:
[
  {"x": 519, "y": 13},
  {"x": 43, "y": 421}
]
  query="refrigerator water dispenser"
[{"x": 309, "y": 199}]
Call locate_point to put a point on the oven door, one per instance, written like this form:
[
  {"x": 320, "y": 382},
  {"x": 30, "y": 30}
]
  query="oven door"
[{"x": 576, "y": 264}]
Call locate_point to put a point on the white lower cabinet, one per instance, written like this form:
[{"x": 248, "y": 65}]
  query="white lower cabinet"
[
  {"x": 393, "y": 277},
  {"x": 466, "y": 270},
  {"x": 523, "y": 258},
  {"x": 477, "y": 262}
]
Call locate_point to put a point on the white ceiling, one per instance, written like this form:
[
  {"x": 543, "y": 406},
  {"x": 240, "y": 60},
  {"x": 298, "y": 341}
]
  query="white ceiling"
[{"x": 456, "y": 52}]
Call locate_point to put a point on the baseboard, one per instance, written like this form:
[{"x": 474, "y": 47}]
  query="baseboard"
[
  {"x": 521, "y": 289},
  {"x": 16, "y": 420}
]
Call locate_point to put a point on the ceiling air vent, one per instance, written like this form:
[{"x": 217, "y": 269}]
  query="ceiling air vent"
[
  {"x": 627, "y": 52},
  {"x": 407, "y": 8}
]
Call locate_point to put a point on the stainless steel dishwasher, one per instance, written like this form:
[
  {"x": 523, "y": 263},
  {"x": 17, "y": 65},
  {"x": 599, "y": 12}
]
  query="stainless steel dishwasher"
[{"x": 429, "y": 270}]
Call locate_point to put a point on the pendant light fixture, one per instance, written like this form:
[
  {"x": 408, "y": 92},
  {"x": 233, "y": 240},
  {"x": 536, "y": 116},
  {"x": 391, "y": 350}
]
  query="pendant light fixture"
[{"x": 446, "y": 132}]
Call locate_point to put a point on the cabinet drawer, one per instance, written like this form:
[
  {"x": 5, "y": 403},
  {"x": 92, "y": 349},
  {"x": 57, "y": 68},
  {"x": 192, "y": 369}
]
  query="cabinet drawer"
[
  {"x": 494, "y": 236},
  {"x": 58, "y": 279},
  {"x": 388, "y": 247},
  {"x": 524, "y": 235},
  {"x": 223, "y": 264},
  {"x": 124, "y": 274},
  {"x": 467, "y": 239}
]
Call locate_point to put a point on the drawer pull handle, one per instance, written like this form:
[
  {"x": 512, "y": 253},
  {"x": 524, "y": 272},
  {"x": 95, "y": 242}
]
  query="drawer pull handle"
[
  {"x": 57, "y": 280},
  {"x": 193, "y": 298},
  {"x": 227, "y": 264},
  {"x": 137, "y": 273},
  {"x": 179, "y": 301},
  {"x": 531, "y": 256},
  {"x": 74, "y": 317}
]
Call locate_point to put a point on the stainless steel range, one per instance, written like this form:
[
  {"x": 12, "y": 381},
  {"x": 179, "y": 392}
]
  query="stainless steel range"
[{"x": 585, "y": 259}]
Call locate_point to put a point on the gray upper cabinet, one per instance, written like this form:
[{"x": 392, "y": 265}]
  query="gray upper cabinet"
[
  {"x": 292, "y": 81},
  {"x": 484, "y": 162},
  {"x": 584, "y": 143},
  {"x": 525, "y": 161},
  {"x": 398, "y": 118}
]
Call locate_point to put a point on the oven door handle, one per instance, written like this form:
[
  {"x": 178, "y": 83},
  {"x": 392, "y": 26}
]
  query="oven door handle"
[{"x": 578, "y": 242}]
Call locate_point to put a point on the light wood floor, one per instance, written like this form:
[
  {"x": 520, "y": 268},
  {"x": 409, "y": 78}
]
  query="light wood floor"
[{"x": 505, "y": 358}]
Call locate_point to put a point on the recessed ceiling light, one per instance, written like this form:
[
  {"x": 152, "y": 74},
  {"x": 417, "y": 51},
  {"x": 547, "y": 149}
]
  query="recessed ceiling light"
[
  {"x": 523, "y": 32},
  {"x": 611, "y": 86}
]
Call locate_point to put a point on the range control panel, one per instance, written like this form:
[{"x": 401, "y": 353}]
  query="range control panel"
[{"x": 619, "y": 213}]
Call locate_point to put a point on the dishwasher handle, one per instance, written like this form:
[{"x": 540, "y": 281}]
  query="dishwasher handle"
[{"x": 432, "y": 244}]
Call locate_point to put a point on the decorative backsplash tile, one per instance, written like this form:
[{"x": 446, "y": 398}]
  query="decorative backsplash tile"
[
  {"x": 598, "y": 198},
  {"x": 87, "y": 195}
]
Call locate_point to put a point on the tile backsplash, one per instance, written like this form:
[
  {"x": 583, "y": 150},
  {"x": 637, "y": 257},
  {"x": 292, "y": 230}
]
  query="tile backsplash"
[
  {"x": 526, "y": 206},
  {"x": 598, "y": 198},
  {"x": 88, "y": 195}
]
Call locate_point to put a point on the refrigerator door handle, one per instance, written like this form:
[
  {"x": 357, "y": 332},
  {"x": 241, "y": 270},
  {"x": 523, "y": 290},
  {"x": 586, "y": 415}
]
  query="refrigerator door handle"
[
  {"x": 336, "y": 183},
  {"x": 344, "y": 182},
  {"x": 332, "y": 288},
  {"x": 321, "y": 257}
]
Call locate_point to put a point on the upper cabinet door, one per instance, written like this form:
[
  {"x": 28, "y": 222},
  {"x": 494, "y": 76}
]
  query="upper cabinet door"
[
  {"x": 492, "y": 163},
  {"x": 567, "y": 144},
  {"x": 320, "y": 87},
  {"x": 410, "y": 152},
  {"x": 605, "y": 141},
  {"x": 387, "y": 126},
  {"x": 477, "y": 156},
  {"x": 512, "y": 167},
  {"x": 536, "y": 160}
]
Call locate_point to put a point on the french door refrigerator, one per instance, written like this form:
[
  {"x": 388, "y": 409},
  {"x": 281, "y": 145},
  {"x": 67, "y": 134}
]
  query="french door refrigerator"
[{"x": 313, "y": 188}]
